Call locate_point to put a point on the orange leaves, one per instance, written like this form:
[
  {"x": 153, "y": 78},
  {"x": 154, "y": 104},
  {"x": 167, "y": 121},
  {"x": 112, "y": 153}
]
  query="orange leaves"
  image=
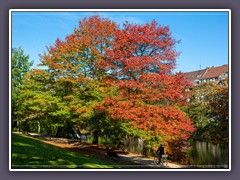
[
  {"x": 141, "y": 61},
  {"x": 141, "y": 49},
  {"x": 83, "y": 51},
  {"x": 136, "y": 61},
  {"x": 166, "y": 120},
  {"x": 82, "y": 110}
]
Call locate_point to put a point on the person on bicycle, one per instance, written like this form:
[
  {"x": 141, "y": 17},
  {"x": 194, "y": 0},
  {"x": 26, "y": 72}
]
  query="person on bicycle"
[{"x": 160, "y": 152}]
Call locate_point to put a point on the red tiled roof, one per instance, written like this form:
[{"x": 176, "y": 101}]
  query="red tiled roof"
[
  {"x": 214, "y": 72},
  {"x": 194, "y": 75}
]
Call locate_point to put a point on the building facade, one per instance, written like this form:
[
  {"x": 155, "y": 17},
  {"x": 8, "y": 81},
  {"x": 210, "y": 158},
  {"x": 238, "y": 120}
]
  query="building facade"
[{"x": 206, "y": 75}]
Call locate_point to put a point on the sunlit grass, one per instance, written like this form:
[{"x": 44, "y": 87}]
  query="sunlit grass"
[{"x": 28, "y": 153}]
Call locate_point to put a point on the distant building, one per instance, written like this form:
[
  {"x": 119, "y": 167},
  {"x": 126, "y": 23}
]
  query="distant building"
[{"x": 208, "y": 74}]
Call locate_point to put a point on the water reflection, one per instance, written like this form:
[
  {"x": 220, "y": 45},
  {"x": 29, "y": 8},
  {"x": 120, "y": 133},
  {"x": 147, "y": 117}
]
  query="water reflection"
[{"x": 205, "y": 153}]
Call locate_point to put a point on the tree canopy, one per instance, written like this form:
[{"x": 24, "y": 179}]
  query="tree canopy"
[
  {"x": 110, "y": 81},
  {"x": 20, "y": 66},
  {"x": 208, "y": 108}
]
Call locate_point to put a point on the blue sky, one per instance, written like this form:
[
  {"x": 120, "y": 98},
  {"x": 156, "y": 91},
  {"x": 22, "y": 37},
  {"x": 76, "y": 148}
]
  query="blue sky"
[{"x": 203, "y": 35}]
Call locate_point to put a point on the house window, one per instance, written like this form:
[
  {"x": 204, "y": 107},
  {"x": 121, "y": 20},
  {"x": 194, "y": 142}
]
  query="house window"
[{"x": 225, "y": 74}]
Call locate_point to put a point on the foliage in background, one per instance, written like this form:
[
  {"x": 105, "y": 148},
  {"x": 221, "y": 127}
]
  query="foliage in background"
[
  {"x": 20, "y": 66},
  {"x": 208, "y": 108}
]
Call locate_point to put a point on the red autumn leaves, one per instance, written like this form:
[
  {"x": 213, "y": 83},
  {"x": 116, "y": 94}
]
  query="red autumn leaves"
[{"x": 137, "y": 59}]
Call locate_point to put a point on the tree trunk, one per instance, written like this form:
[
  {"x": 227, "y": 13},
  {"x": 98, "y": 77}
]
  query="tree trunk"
[
  {"x": 18, "y": 126},
  {"x": 95, "y": 137},
  {"x": 39, "y": 127}
]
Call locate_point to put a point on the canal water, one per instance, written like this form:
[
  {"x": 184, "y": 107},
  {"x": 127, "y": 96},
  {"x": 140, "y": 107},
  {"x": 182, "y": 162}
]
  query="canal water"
[{"x": 209, "y": 155}]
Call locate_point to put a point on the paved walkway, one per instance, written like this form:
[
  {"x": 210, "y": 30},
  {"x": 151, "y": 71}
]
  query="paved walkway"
[{"x": 146, "y": 161}]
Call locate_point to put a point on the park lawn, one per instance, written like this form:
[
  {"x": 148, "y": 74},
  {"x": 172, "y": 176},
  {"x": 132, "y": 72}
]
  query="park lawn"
[{"x": 29, "y": 153}]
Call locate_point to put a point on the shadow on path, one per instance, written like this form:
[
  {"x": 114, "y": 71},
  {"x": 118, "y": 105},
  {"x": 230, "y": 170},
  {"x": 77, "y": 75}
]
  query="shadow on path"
[{"x": 130, "y": 159}]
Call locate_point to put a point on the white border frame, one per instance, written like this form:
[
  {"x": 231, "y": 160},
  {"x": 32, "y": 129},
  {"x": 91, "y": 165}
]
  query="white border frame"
[{"x": 118, "y": 10}]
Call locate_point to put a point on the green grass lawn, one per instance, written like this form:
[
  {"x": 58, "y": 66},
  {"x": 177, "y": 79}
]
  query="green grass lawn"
[{"x": 29, "y": 153}]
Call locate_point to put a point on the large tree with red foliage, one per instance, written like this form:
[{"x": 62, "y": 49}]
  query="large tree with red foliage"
[
  {"x": 124, "y": 74},
  {"x": 140, "y": 63}
]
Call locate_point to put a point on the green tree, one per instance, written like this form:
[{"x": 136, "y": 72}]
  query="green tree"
[
  {"x": 74, "y": 63},
  {"x": 208, "y": 108},
  {"x": 219, "y": 104},
  {"x": 39, "y": 104},
  {"x": 220, "y": 100},
  {"x": 20, "y": 66},
  {"x": 198, "y": 107}
]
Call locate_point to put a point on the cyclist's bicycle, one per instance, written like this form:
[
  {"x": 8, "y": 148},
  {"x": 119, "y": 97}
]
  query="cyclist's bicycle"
[{"x": 164, "y": 160}]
